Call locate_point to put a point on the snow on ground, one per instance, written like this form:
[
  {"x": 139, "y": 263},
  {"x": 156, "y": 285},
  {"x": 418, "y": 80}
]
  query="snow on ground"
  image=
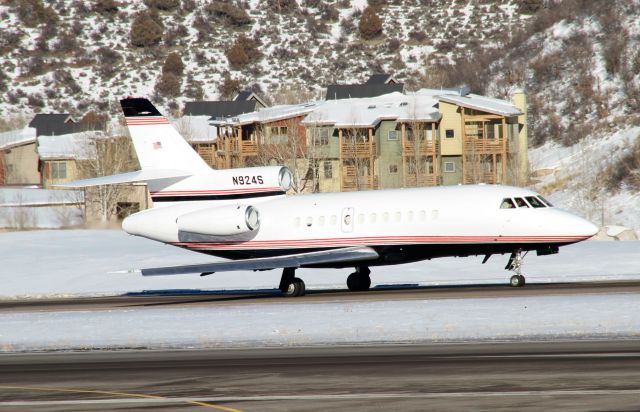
[
  {"x": 342, "y": 323},
  {"x": 40, "y": 264},
  {"x": 81, "y": 262},
  {"x": 571, "y": 177}
]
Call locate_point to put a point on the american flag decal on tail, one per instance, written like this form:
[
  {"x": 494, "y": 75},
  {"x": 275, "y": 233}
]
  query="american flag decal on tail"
[{"x": 157, "y": 145}]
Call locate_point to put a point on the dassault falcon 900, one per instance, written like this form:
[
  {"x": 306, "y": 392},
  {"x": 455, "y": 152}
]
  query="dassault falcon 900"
[{"x": 245, "y": 216}]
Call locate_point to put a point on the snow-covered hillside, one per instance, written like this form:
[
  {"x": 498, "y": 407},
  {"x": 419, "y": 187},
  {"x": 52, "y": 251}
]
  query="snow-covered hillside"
[{"x": 79, "y": 56}]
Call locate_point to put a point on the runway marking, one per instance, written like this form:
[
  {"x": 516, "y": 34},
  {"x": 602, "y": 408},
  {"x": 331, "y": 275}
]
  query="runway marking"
[
  {"x": 192, "y": 401},
  {"x": 328, "y": 397}
]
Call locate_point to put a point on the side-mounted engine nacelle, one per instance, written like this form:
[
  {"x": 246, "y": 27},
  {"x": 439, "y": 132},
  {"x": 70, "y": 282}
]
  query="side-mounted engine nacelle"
[
  {"x": 221, "y": 220},
  {"x": 268, "y": 178}
]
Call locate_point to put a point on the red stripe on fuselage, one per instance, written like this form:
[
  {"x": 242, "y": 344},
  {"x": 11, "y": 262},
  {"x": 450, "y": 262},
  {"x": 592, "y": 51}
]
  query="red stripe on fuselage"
[{"x": 377, "y": 241}]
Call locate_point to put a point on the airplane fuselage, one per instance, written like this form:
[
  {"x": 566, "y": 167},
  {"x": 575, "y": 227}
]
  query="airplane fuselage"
[{"x": 402, "y": 225}]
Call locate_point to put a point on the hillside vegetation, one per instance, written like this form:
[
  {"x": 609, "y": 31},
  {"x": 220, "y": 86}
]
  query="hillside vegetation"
[{"x": 73, "y": 55}]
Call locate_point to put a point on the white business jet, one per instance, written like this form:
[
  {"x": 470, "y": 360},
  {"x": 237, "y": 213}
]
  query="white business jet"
[{"x": 244, "y": 215}]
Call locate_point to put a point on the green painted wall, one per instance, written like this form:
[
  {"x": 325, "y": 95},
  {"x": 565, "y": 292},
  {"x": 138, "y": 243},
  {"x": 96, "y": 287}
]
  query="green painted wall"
[
  {"x": 389, "y": 153},
  {"x": 451, "y": 178}
]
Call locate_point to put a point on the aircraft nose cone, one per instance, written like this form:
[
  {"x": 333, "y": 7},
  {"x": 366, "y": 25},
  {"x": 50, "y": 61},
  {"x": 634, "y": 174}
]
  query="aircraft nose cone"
[{"x": 583, "y": 227}]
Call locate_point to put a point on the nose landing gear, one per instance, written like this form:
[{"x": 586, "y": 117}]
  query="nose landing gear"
[
  {"x": 515, "y": 265},
  {"x": 291, "y": 286}
]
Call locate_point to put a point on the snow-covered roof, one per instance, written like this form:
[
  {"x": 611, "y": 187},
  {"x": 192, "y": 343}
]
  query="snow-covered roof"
[
  {"x": 272, "y": 114},
  {"x": 18, "y": 137},
  {"x": 68, "y": 146},
  {"x": 368, "y": 112},
  {"x": 482, "y": 103},
  {"x": 28, "y": 196},
  {"x": 196, "y": 128}
]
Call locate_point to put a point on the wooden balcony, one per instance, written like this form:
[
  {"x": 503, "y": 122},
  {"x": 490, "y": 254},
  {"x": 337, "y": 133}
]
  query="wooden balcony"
[
  {"x": 483, "y": 146},
  {"x": 351, "y": 181},
  {"x": 481, "y": 177},
  {"x": 411, "y": 180},
  {"x": 352, "y": 150},
  {"x": 423, "y": 147}
]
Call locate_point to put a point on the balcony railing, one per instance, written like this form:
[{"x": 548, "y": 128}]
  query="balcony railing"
[
  {"x": 412, "y": 180},
  {"x": 423, "y": 147},
  {"x": 483, "y": 145},
  {"x": 358, "y": 149}
]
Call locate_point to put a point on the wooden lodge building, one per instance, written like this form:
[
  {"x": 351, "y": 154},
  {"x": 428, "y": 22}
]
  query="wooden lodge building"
[{"x": 426, "y": 138}]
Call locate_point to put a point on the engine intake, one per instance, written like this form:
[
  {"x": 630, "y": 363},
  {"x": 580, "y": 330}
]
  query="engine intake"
[{"x": 221, "y": 220}]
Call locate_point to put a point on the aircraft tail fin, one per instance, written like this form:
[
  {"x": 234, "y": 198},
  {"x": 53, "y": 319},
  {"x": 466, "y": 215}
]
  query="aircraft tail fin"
[{"x": 157, "y": 143}]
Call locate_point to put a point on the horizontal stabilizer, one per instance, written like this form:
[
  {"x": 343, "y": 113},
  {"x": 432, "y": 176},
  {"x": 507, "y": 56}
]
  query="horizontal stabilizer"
[
  {"x": 131, "y": 177},
  {"x": 342, "y": 255}
]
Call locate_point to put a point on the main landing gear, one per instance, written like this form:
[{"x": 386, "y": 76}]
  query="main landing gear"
[
  {"x": 515, "y": 265},
  {"x": 359, "y": 280},
  {"x": 290, "y": 285}
]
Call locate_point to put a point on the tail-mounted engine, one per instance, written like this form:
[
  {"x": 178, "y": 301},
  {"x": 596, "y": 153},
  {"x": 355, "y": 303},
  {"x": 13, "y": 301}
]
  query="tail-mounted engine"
[{"x": 221, "y": 220}]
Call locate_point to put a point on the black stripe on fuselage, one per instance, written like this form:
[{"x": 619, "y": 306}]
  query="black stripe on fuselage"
[
  {"x": 391, "y": 254},
  {"x": 191, "y": 198}
]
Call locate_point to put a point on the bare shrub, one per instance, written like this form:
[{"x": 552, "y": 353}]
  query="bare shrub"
[
  {"x": 174, "y": 34},
  {"x": 106, "y": 7},
  {"x": 418, "y": 35},
  {"x": 64, "y": 79},
  {"x": 165, "y": 5},
  {"x": 173, "y": 64},
  {"x": 243, "y": 51},
  {"x": 108, "y": 60},
  {"x": 32, "y": 13},
  {"x": 146, "y": 29},
  {"x": 282, "y": 6},
  {"x": 229, "y": 13},
  {"x": 168, "y": 85},
  {"x": 529, "y": 6},
  {"x": 624, "y": 171},
  {"x": 67, "y": 43},
  {"x": 229, "y": 87},
  {"x": 370, "y": 25}
]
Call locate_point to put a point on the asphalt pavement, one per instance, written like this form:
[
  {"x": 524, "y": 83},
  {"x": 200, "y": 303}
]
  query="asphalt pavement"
[
  {"x": 524, "y": 376},
  {"x": 407, "y": 292}
]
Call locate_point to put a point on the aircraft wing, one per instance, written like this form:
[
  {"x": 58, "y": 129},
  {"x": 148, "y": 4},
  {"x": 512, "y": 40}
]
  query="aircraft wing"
[
  {"x": 346, "y": 254},
  {"x": 131, "y": 177}
]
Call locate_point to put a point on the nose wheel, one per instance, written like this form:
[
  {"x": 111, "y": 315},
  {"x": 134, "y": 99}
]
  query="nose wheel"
[
  {"x": 291, "y": 286},
  {"x": 515, "y": 265}
]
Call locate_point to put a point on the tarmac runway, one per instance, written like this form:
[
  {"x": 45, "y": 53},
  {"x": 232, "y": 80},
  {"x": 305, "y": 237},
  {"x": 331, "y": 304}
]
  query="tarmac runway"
[
  {"x": 273, "y": 296},
  {"x": 532, "y": 376}
]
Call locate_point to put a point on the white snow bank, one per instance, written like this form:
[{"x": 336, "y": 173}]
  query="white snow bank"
[
  {"x": 81, "y": 263},
  {"x": 531, "y": 318}
]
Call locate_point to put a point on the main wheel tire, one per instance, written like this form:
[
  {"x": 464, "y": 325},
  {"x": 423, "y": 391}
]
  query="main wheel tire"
[
  {"x": 517, "y": 281},
  {"x": 295, "y": 288},
  {"x": 357, "y": 282}
]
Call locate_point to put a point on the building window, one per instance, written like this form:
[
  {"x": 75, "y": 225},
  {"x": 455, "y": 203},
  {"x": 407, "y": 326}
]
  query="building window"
[
  {"x": 449, "y": 167},
  {"x": 58, "y": 170},
  {"x": 393, "y": 169},
  {"x": 278, "y": 135},
  {"x": 322, "y": 139},
  {"x": 328, "y": 170},
  {"x": 449, "y": 134},
  {"x": 393, "y": 135}
]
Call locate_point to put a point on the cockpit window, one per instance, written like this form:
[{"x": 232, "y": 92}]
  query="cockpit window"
[
  {"x": 533, "y": 201},
  {"x": 545, "y": 201},
  {"x": 520, "y": 202},
  {"x": 507, "y": 204}
]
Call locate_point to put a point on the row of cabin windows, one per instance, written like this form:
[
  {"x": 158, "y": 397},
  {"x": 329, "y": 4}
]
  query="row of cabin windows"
[
  {"x": 385, "y": 217},
  {"x": 525, "y": 202}
]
